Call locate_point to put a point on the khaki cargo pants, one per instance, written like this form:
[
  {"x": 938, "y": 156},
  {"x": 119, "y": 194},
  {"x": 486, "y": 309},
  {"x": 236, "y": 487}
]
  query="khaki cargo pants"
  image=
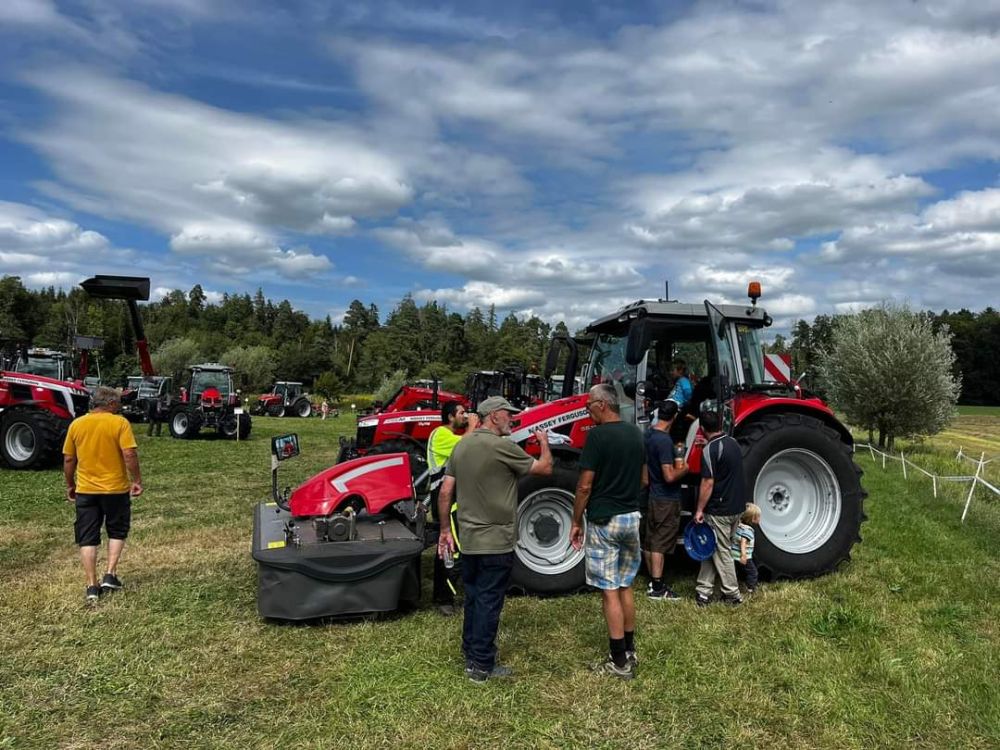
[{"x": 721, "y": 562}]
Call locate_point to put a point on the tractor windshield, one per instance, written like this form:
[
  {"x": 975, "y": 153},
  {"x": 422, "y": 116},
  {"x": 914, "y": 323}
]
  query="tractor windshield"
[
  {"x": 210, "y": 379},
  {"x": 608, "y": 365},
  {"x": 48, "y": 367},
  {"x": 751, "y": 355}
]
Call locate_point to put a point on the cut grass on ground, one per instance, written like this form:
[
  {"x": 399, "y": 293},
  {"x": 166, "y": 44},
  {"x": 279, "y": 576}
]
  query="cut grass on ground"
[{"x": 900, "y": 648}]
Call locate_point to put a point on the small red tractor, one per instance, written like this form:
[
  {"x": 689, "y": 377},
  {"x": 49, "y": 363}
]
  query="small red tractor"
[
  {"x": 797, "y": 456},
  {"x": 402, "y": 425},
  {"x": 285, "y": 399},
  {"x": 209, "y": 401}
]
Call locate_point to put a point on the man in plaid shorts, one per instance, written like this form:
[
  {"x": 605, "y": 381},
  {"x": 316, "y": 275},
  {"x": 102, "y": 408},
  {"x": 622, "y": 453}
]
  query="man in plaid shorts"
[{"x": 612, "y": 474}]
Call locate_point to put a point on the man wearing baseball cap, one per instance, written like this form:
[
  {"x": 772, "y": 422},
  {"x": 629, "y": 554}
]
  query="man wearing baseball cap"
[{"x": 483, "y": 471}]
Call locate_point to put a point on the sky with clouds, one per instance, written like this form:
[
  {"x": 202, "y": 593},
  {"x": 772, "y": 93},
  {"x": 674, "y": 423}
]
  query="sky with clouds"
[{"x": 557, "y": 159}]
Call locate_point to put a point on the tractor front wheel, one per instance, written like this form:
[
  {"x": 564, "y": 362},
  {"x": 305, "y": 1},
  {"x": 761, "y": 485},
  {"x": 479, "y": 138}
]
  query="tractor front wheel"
[
  {"x": 544, "y": 560},
  {"x": 184, "y": 423},
  {"x": 235, "y": 424},
  {"x": 276, "y": 409},
  {"x": 30, "y": 438},
  {"x": 803, "y": 477}
]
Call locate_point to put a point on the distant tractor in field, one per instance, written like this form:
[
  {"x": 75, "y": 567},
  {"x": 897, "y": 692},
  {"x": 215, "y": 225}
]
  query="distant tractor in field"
[
  {"x": 209, "y": 401},
  {"x": 285, "y": 399}
]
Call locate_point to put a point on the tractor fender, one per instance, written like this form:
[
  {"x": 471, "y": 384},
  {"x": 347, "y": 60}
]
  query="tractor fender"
[
  {"x": 816, "y": 410},
  {"x": 378, "y": 481}
]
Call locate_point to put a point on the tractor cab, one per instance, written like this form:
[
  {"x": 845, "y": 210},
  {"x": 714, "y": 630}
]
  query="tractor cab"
[
  {"x": 48, "y": 363},
  {"x": 635, "y": 351},
  {"x": 211, "y": 385}
]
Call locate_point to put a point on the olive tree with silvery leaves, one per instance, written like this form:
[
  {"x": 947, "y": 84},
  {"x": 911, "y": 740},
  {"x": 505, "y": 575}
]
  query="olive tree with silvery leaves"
[{"x": 888, "y": 371}]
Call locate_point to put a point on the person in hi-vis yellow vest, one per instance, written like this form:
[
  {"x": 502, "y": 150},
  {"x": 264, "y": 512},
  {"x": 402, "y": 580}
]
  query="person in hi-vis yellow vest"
[{"x": 439, "y": 447}]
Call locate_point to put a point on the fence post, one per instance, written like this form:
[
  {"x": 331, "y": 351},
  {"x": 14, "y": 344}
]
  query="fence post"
[
  {"x": 902, "y": 460},
  {"x": 972, "y": 489},
  {"x": 883, "y": 462},
  {"x": 934, "y": 481}
]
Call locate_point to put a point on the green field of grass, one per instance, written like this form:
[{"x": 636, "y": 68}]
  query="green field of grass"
[{"x": 899, "y": 648}]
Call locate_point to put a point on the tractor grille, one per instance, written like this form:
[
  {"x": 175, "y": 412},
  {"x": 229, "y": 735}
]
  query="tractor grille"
[
  {"x": 365, "y": 436},
  {"x": 81, "y": 403}
]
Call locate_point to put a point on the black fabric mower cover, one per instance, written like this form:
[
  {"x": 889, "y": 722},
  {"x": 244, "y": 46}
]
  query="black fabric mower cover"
[{"x": 375, "y": 573}]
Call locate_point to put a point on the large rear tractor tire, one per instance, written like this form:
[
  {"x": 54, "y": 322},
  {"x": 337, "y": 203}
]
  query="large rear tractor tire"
[
  {"x": 302, "y": 408},
  {"x": 803, "y": 477},
  {"x": 544, "y": 560},
  {"x": 184, "y": 423},
  {"x": 30, "y": 438}
]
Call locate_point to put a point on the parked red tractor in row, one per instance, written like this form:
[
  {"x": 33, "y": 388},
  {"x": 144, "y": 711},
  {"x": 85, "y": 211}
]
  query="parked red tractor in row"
[
  {"x": 285, "y": 399},
  {"x": 798, "y": 458}
]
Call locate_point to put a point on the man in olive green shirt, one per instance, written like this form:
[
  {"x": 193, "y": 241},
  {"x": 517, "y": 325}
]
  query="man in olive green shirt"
[{"x": 484, "y": 469}]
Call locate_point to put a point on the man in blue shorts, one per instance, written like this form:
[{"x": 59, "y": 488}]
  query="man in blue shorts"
[{"x": 612, "y": 474}]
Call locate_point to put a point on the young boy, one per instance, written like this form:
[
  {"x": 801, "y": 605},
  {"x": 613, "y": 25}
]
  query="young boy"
[{"x": 742, "y": 548}]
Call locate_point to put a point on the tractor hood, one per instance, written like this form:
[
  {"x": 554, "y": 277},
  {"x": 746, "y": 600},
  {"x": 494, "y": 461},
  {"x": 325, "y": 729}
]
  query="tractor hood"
[{"x": 566, "y": 416}]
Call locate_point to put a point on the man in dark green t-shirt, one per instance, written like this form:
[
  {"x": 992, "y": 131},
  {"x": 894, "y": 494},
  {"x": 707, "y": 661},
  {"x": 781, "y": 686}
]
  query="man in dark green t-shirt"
[
  {"x": 484, "y": 470},
  {"x": 612, "y": 474}
]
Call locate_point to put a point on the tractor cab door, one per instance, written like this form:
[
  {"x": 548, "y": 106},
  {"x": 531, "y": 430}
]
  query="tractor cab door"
[{"x": 721, "y": 354}]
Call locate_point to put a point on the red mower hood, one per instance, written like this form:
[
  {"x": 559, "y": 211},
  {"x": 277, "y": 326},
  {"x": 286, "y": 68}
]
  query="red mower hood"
[{"x": 376, "y": 481}]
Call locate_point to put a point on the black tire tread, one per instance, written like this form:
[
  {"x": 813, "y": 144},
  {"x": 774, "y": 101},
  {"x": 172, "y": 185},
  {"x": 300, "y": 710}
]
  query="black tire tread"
[{"x": 50, "y": 432}]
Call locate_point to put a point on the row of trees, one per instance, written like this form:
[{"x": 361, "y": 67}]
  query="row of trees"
[{"x": 265, "y": 340}]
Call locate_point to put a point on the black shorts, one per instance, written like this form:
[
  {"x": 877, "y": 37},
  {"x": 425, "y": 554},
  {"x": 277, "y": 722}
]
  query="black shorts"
[{"x": 92, "y": 511}]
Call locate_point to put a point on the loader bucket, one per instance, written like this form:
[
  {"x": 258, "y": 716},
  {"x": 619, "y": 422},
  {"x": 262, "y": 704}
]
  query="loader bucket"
[{"x": 117, "y": 287}]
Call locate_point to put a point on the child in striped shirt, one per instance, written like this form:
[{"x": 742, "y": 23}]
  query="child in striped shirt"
[{"x": 742, "y": 547}]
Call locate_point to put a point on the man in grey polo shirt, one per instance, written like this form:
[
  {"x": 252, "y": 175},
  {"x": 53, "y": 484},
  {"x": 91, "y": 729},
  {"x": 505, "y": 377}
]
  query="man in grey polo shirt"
[{"x": 484, "y": 470}]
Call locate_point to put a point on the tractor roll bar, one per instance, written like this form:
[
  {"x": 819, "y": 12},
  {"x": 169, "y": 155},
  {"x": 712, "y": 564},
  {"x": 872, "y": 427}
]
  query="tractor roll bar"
[{"x": 131, "y": 289}]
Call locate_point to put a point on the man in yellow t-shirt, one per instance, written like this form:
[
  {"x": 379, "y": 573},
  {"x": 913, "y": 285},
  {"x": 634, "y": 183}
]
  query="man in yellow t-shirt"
[
  {"x": 99, "y": 457},
  {"x": 440, "y": 445}
]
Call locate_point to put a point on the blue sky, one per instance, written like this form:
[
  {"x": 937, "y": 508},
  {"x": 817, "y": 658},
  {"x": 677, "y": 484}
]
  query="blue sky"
[{"x": 554, "y": 159}]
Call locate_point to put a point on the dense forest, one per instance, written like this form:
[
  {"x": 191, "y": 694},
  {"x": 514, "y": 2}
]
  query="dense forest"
[{"x": 265, "y": 340}]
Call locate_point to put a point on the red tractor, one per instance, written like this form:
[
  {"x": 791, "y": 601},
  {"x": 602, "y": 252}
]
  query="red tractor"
[
  {"x": 402, "y": 425},
  {"x": 35, "y": 412},
  {"x": 797, "y": 456},
  {"x": 285, "y": 399},
  {"x": 209, "y": 401}
]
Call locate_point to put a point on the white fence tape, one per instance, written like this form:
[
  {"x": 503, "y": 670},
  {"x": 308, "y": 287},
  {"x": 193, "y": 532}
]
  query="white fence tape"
[
  {"x": 975, "y": 479},
  {"x": 970, "y": 458}
]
